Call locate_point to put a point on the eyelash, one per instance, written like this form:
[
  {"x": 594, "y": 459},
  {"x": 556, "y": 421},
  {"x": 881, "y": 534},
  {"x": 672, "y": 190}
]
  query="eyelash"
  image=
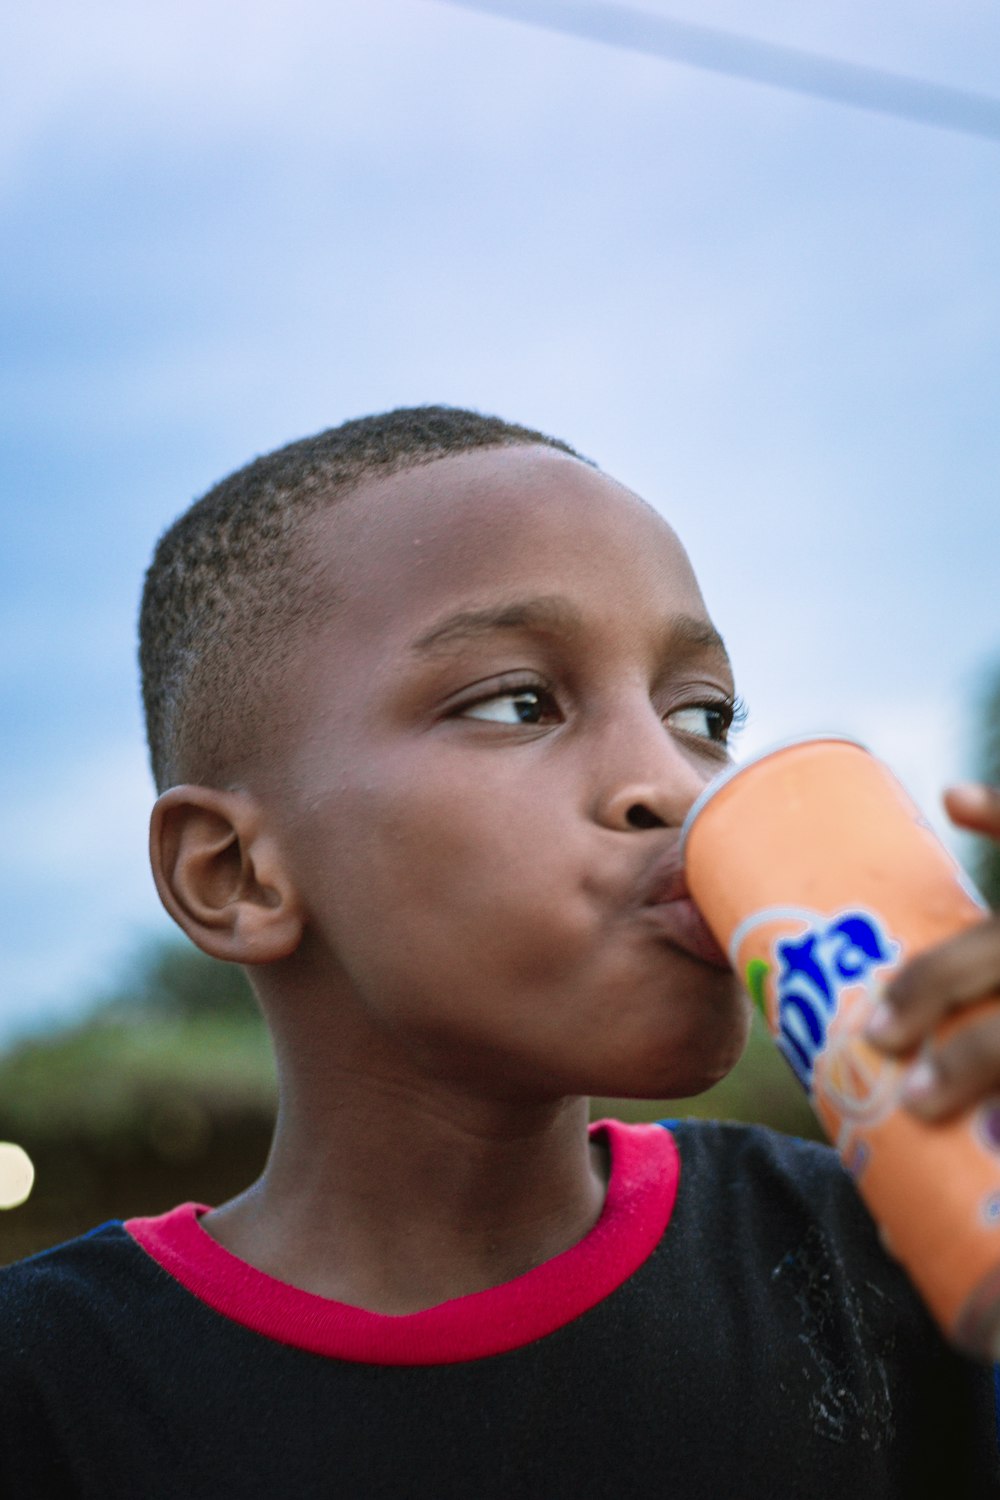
[
  {"x": 731, "y": 711},
  {"x": 544, "y": 694}
]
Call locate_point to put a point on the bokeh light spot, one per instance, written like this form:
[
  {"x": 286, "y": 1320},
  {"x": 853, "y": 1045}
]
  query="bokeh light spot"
[{"x": 17, "y": 1175}]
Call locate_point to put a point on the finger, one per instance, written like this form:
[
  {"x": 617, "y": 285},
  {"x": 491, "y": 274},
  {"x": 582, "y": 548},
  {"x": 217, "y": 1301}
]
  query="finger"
[
  {"x": 974, "y": 806},
  {"x": 957, "y": 972},
  {"x": 961, "y": 1071}
]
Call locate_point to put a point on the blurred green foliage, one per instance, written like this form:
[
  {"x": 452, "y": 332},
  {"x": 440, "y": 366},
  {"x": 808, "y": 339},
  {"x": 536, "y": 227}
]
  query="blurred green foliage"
[
  {"x": 179, "y": 1039},
  {"x": 174, "y": 980}
]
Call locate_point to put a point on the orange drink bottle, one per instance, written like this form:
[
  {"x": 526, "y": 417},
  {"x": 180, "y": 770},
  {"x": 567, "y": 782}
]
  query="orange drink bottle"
[{"x": 819, "y": 876}]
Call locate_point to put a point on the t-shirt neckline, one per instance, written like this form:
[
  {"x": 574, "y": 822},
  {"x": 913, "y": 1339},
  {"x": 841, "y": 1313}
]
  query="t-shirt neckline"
[{"x": 641, "y": 1193}]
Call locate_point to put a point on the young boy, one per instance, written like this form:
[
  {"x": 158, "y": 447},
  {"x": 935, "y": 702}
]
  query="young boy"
[{"x": 428, "y": 697}]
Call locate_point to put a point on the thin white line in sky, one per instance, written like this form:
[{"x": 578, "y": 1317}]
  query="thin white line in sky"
[{"x": 780, "y": 67}]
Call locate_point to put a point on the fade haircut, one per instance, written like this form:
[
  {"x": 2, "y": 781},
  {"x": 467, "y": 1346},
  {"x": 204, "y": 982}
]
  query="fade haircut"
[{"x": 230, "y": 582}]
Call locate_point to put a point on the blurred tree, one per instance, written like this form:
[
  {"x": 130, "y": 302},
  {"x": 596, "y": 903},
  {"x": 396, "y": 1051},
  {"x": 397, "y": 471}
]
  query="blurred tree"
[
  {"x": 987, "y": 858},
  {"x": 163, "y": 1091},
  {"x": 174, "y": 979},
  {"x": 179, "y": 1030}
]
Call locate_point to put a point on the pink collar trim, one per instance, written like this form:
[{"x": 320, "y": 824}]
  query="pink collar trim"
[{"x": 645, "y": 1168}]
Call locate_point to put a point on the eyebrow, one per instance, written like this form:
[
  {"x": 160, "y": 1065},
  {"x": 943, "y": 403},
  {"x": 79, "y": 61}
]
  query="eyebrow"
[
  {"x": 554, "y": 615},
  {"x": 544, "y": 614}
]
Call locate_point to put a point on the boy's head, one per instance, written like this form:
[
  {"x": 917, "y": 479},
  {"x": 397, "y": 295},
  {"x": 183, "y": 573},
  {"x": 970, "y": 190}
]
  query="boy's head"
[{"x": 472, "y": 695}]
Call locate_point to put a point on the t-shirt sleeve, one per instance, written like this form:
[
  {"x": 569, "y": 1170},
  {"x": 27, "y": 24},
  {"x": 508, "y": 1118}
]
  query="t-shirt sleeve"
[{"x": 31, "y": 1463}]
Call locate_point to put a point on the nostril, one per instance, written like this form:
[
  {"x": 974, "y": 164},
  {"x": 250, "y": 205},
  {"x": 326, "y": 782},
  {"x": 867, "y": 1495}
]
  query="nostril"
[{"x": 639, "y": 816}]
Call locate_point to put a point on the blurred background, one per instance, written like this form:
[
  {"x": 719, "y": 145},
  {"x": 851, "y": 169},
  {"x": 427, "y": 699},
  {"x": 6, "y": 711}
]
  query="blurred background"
[{"x": 775, "y": 315}]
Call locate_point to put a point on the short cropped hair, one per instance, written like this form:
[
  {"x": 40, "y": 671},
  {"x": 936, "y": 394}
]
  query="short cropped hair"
[{"x": 229, "y": 586}]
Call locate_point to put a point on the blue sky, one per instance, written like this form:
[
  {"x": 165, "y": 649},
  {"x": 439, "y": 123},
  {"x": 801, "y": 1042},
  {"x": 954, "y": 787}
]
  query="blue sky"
[{"x": 226, "y": 226}]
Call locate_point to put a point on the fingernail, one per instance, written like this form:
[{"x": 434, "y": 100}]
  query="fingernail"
[
  {"x": 881, "y": 1022},
  {"x": 921, "y": 1082}
]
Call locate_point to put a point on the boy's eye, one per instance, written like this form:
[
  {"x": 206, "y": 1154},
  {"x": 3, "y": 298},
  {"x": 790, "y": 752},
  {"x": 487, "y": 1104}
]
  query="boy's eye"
[
  {"x": 708, "y": 721},
  {"x": 517, "y": 706}
]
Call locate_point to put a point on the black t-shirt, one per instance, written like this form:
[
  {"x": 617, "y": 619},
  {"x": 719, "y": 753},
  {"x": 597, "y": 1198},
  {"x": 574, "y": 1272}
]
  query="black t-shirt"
[{"x": 729, "y": 1328}]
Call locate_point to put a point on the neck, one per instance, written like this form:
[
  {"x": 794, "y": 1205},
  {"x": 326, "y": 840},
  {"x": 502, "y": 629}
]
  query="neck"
[{"x": 396, "y": 1197}]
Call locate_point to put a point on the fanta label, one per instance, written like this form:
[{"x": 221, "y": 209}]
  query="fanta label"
[{"x": 811, "y": 964}]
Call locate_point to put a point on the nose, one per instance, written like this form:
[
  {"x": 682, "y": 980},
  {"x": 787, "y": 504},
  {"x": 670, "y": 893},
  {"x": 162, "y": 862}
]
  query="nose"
[{"x": 649, "y": 778}]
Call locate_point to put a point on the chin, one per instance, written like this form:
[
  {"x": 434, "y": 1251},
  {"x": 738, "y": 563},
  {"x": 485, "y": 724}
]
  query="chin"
[
  {"x": 698, "y": 1062},
  {"x": 669, "y": 1082}
]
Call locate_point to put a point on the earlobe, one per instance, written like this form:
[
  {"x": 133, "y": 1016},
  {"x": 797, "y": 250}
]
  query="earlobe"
[{"x": 220, "y": 875}]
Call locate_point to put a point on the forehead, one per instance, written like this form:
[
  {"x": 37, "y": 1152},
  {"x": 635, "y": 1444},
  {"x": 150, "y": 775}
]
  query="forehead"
[{"x": 476, "y": 529}]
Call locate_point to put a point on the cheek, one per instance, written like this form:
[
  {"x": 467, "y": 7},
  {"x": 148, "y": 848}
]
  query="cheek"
[{"x": 447, "y": 864}]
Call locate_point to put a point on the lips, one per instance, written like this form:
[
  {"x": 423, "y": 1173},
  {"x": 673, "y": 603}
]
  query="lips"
[
  {"x": 667, "y": 904},
  {"x": 683, "y": 925}
]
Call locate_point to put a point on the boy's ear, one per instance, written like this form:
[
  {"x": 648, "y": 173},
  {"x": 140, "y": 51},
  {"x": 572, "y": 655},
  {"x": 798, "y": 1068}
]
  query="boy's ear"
[{"x": 220, "y": 875}]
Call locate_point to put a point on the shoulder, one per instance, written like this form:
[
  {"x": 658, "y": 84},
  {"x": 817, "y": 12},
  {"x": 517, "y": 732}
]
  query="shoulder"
[
  {"x": 103, "y": 1245},
  {"x": 60, "y": 1293},
  {"x": 780, "y": 1219},
  {"x": 727, "y": 1141},
  {"x": 61, "y": 1313},
  {"x": 753, "y": 1163},
  {"x": 780, "y": 1222},
  {"x": 788, "y": 1207},
  {"x": 773, "y": 1248}
]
